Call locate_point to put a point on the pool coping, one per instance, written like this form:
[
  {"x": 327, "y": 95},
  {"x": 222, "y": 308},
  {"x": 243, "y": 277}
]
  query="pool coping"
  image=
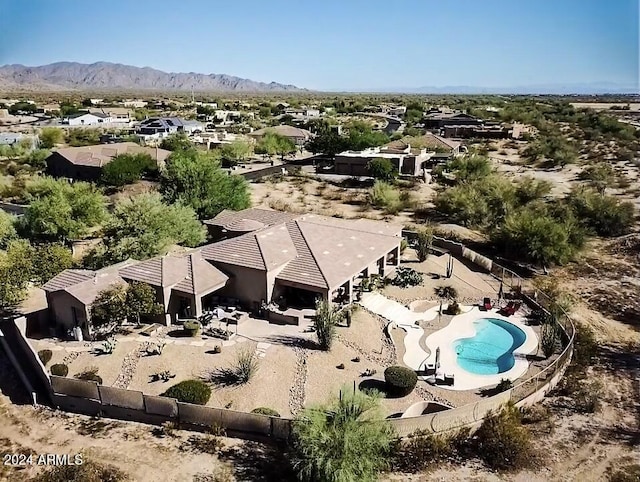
[{"x": 462, "y": 326}]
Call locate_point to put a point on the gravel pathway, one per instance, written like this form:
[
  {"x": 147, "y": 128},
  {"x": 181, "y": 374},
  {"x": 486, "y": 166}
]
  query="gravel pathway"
[
  {"x": 297, "y": 390},
  {"x": 128, "y": 370}
]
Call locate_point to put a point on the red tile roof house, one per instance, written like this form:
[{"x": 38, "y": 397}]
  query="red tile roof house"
[{"x": 260, "y": 256}]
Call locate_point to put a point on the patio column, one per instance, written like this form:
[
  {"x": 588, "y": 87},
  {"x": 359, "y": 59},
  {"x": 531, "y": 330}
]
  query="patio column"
[
  {"x": 197, "y": 306},
  {"x": 350, "y": 290}
]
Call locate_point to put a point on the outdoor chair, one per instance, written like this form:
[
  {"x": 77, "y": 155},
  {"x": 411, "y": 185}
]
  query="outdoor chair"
[
  {"x": 449, "y": 379},
  {"x": 486, "y": 304}
]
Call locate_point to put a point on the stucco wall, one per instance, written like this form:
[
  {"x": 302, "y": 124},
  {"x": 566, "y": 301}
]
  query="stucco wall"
[
  {"x": 246, "y": 284},
  {"x": 61, "y": 304}
]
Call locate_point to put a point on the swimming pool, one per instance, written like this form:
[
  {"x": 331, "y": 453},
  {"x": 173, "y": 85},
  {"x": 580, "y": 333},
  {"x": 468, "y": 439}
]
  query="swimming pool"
[{"x": 490, "y": 351}]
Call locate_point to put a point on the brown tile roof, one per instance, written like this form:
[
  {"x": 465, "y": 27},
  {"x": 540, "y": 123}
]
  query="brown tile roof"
[
  {"x": 283, "y": 130},
  {"x": 201, "y": 276},
  {"x": 189, "y": 273},
  {"x": 427, "y": 141},
  {"x": 99, "y": 155},
  {"x": 68, "y": 277},
  {"x": 317, "y": 251},
  {"x": 339, "y": 248},
  {"x": 266, "y": 217},
  {"x": 265, "y": 249},
  {"x": 87, "y": 291}
]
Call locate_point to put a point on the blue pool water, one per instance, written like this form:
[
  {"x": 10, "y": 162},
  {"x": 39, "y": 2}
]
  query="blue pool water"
[{"x": 490, "y": 351}]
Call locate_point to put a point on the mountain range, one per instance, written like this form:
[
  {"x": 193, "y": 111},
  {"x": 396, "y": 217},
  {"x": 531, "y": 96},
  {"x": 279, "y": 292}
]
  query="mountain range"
[{"x": 104, "y": 76}]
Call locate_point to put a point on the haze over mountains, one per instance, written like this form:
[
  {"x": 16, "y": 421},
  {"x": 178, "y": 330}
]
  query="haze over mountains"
[{"x": 109, "y": 76}]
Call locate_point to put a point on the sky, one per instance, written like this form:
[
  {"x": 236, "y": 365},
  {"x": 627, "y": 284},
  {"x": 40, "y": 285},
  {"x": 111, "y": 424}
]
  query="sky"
[{"x": 357, "y": 45}]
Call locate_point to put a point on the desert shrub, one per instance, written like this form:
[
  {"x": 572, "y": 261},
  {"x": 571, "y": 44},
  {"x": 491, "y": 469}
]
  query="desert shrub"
[
  {"x": 266, "y": 411},
  {"x": 88, "y": 471},
  {"x": 246, "y": 365},
  {"x": 588, "y": 395},
  {"x": 403, "y": 245},
  {"x": 384, "y": 196},
  {"x": 383, "y": 169},
  {"x": 127, "y": 168},
  {"x": 59, "y": 370},
  {"x": 90, "y": 374},
  {"x": 192, "y": 327},
  {"x": 332, "y": 442},
  {"x": 190, "y": 391},
  {"x": 406, "y": 277},
  {"x": 324, "y": 323},
  {"x": 502, "y": 442},
  {"x": 400, "y": 381},
  {"x": 217, "y": 349},
  {"x": 605, "y": 215},
  {"x": 548, "y": 338},
  {"x": 419, "y": 450},
  {"x": 628, "y": 473},
  {"x": 585, "y": 346},
  {"x": 424, "y": 242},
  {"x": 45, "y": 356},
  {"x": 470, "y": 167}
]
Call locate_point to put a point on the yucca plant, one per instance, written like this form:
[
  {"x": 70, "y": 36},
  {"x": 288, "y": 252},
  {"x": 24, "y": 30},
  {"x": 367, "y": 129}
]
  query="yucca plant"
[{"x": 345, "y": 440}]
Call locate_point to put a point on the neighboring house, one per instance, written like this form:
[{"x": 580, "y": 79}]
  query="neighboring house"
[
  {"x": 161, "y": 127},
  {"x": 87, "y": 119},
  {"x": 260, "y": 256},
  {"x": 297, "y": 135},
  {"x": 442, "y": 148},
  {"x": 116, "y": 114},
  {"x": 303, "y": 113},
  {"x": 134, "y": 103},
  {"x": 441, "y": 119},
  {"x": 485, "y": 131},
  {"x": 407, "y": 160},
  {"x": 214, "y": 139},
  {"x": 86, "y": 163}
]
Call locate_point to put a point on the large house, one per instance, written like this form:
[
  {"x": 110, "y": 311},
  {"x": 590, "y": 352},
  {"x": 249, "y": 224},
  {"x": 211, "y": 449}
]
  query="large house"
[
  {"x": 407, "y": 160},
  {"x": 297, "y": 135},
  {"x": 439, "y": 119},
  {"x": 86, "y": 163},
  {"x": 259, "y": 256},
  {"x": 116, "y": 114},
  {"x": 442, "y": 148}
]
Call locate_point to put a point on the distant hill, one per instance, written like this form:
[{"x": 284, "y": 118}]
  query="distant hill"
[{"x": 108, "y": 76}]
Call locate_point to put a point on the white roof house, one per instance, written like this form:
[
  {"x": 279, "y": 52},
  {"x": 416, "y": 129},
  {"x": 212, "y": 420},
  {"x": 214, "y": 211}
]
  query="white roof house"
[{"x": 87, "y": 119}]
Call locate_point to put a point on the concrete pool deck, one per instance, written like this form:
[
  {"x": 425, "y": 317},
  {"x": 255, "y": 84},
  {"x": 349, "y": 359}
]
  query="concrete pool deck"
[{"x": 462, "y": 326}]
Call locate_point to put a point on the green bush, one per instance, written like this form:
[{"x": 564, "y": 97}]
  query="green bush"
[
  {"x": 45, "y": 356},
  {"x": 59, "y": 370},
  {"x": 605, "y": 215},
  {"x": 190, "y": 391},
  {"x": 406, "y": 277},
  {"x": 453, "y": 308},
  {"x": 424, "y": 243},
  {"x": 502, "y": 442},
  {"x": 504, "y": 385},
  {"x": 400, "y": 381},
  {"x": 266, "y": 411},
  {"x": 548, "y": 338},
  {"x": 192, "y": 327},
  {"x": 127, "y": 168},
  {"x": 384, "y": 196},
  {"x": 383, "y": 169}
]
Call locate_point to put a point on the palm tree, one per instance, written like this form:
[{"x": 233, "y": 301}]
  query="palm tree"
[
  {"x": 344, "y": 440},
  {"x": 445, "y": 293}
]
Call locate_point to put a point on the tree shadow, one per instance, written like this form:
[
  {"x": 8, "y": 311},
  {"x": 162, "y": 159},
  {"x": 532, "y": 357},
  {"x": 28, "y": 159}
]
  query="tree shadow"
[
  {"x": 179, "y": 334},
  {"x": 259, "y": 462},
  {"x": 293, "y": 342},
  {"x": 222, "y": 377}
]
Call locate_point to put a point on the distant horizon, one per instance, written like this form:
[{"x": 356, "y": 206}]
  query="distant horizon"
[
  {"x": 336, "y": 45},
  {"x": 598, "y": 87}
]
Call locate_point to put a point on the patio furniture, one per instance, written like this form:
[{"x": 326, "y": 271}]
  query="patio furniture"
[
  {"x": 486, "y": 304},
  {"x": 430, "y": 368},
  {"x": 511, "y": 308},
  {"x": 449, "y": 379}
]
